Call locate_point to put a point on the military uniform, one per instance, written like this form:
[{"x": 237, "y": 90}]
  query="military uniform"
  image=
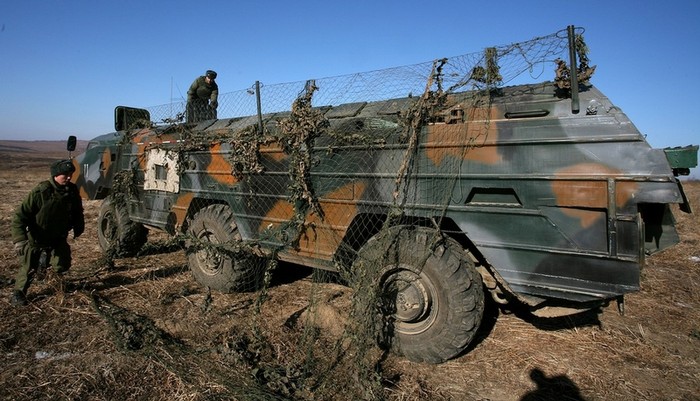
[
  {"x": 41, "y": 224},
  {"x": 202, "y": 98}
]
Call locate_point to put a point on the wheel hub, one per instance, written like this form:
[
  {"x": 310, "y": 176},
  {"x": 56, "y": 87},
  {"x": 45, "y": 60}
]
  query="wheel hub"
[
  {"x": 108, "y": 227},
  {"x": 208, "y": 258},
  {"x": 411, "y": 300}
]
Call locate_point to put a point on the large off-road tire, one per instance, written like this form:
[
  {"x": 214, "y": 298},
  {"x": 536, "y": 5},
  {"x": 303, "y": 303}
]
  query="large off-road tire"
[
  {"x": 223, "y": 270},
  {"x": 430, "y": 295},
  {"x": 117, "y": 233}
]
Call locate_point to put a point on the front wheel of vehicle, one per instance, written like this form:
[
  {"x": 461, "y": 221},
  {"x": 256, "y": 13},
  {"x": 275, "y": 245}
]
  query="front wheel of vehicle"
[
  {"x": 214, "y": 254},
  {"x": 116, "y": 232}
]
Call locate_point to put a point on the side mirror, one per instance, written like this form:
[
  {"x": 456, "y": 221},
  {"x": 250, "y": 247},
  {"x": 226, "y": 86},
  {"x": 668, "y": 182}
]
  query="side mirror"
[{"x": 72, "y": 141}]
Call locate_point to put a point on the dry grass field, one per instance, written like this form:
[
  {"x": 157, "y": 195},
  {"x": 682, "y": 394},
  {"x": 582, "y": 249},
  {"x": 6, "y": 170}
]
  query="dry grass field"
[{"x": 144, "y": 330}]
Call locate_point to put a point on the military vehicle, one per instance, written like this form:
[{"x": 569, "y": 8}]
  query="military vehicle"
[{"x": 424, "y": 197}]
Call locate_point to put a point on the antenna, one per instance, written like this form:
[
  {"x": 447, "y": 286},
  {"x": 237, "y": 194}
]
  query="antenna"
[{"x": 171, "y": 96}]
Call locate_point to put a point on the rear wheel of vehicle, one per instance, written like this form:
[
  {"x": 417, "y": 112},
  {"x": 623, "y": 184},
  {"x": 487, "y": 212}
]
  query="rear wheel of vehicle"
[
  {"x": 117, "y": 233},
  {"x": 430, "y": 292},
  {"x": 214, "y": 255}
]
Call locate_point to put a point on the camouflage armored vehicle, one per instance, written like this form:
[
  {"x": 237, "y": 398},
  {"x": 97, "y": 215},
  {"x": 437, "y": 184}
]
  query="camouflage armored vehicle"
[{"x": 425, "y": 187}]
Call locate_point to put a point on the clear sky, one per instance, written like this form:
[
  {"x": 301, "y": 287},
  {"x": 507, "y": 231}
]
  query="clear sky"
[{"x": 65, "y": 65}]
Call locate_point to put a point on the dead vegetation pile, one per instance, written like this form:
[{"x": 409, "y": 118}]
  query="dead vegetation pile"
[{"x": 144, "y": 329}]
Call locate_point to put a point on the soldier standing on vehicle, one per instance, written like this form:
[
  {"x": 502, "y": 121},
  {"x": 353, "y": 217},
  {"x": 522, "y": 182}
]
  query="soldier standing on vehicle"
[
  {"x": 41, "y": 225},
  {"x": 202, "y": 98}
]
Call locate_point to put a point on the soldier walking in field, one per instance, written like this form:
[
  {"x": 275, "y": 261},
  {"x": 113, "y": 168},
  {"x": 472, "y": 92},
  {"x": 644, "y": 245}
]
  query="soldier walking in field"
[
  {"x": 41, "y": 225},
  {"x": 202, "y": 98}
]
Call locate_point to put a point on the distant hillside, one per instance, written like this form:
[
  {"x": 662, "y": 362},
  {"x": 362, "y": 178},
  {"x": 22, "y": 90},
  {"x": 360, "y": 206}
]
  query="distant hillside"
[
  {"x": 21, "y": 154},
  {"x": 39, "y": 146}
]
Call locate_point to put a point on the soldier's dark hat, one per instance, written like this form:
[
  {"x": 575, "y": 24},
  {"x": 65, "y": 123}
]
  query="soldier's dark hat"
[
  {"x": 62, "y": 167},
  {"x": 211, "y": 74}
]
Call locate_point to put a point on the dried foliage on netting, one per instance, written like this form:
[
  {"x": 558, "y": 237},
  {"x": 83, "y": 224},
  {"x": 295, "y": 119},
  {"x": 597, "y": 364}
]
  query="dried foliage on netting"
[
  {"x": 245, "y": 152},
  {"x": 584, "y": 71},
  {"x": 298, "y": 134},
  {"x": 419, "y": 114},
  {"x": 124, "y": 186},
  {"x": 489, "y": 75}
]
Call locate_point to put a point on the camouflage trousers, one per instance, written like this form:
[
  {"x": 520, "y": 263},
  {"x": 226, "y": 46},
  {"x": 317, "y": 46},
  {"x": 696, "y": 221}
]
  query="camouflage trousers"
[{"x": 35, "y": 259}]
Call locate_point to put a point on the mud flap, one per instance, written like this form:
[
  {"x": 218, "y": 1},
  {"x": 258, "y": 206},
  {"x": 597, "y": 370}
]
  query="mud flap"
[{"x": 685, "y": 206}]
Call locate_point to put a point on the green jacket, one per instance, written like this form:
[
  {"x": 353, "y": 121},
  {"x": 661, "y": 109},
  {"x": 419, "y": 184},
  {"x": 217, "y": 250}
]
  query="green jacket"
[
  {"x": 48, "y": 213},
  {"x": 201, "y": 90}
]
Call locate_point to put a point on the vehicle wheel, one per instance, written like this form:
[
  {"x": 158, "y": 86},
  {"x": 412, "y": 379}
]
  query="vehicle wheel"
[
  {"x": 432, "y": 295},
  {"x": 117, "y": 233},
  {"x": 222, "y": 271}
]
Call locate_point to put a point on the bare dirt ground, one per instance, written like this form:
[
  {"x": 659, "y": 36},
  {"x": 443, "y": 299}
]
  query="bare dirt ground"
[{"x": 144, "y": 330}]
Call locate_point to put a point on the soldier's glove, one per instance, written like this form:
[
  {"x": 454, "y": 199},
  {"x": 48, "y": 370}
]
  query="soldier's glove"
[
  {"x": 214, "y": 104},
  {"x": 20, "y": 247}
]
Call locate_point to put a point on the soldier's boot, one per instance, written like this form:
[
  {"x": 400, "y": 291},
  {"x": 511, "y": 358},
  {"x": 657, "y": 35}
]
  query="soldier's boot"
[{"x": 17, "y": 298}]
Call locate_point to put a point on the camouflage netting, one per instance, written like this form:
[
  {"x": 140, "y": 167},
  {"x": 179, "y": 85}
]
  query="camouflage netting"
[
  {"x": 523, "y": 62},
  {"x": 318, "y": 120}
]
